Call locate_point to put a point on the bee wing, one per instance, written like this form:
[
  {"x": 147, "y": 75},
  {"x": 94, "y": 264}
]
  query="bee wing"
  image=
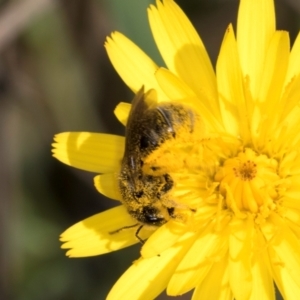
[
  {"x": 138, "y": 107},
  {"x": 139, "y": 132},
  {"x": 140, "y": 104}
]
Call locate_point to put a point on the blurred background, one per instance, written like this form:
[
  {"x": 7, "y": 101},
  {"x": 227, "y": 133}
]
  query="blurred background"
[{"x": 55, "y": 76}]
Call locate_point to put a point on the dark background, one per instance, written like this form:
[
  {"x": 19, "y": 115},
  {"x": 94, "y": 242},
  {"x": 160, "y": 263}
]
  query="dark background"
[{"x": 55, "y": 76}]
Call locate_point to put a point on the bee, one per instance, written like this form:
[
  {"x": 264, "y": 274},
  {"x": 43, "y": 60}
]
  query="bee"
[{"x": 150, "y": 125}]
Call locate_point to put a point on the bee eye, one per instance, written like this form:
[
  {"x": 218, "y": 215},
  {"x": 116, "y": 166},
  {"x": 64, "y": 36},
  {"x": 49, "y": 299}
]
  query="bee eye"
[
  {"x": 144, "y": 142},
  {"x": 150, "y": 138},
  {"x": 147, "y": 141},
  {"x": 151, "y": 216}
]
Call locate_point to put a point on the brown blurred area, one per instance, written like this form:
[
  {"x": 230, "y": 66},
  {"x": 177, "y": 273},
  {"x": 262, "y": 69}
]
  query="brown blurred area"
[{"x": 55, "y": 76}]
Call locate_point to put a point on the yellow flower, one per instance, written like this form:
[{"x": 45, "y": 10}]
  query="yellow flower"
[{"x": 242, "y": 180}]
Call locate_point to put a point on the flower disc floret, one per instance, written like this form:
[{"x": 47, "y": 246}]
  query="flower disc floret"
[{"x": 249, "y": 182}]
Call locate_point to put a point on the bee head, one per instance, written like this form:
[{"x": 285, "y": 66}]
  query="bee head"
[{"x": 149, "y": 215}]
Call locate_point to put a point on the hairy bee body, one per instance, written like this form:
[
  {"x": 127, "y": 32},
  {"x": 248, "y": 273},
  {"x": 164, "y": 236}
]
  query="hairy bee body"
[{"x": 151, "y": 125}]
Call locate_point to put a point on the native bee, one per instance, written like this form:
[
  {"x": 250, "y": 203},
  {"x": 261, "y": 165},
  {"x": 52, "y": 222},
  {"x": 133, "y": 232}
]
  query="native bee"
[{"x": 150, "y": 125}]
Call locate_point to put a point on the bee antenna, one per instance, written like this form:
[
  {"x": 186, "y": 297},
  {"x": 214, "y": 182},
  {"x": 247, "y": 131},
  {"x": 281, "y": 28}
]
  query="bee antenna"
[{"x": 125, "y": 227}]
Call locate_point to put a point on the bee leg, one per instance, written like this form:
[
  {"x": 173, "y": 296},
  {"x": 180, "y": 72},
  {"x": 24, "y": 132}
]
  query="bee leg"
[
  {"x": 128, "y": 227},
  {"x": 137, "y": 234},
  {"x": 125, "y": 227}
]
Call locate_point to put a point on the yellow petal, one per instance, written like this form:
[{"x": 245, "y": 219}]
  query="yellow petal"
[
  {"x": 230, "y": 86},
  {"x": 255, "y": 28},
  {"x": 293, "y": 190},
  {"x": 285, "y": 281},
  {"x": 93, "y": 236},
  {"x": 239, "y": 257},
  {"x": 290, "y": 107},
  {"x": 292, "y": 217},
  {"x": 132, "y": 64},
  {"x": 284, "y": 249},
  {"x": 107, "y": 184},
  {"x": 148, "y": 277},
  {"x": 163, "y": 238},
  {"x": 197, "y": 262},
  {"x": 294, "y": 227},
  {"x": 294, "y": 63},
  {"x": 122, "y": 112},
  {"x": 275, "y": 68},
  {"x": 94, "y": 152},
  {"x": 221, "y": 288},
  {"x": 183, "y": 50},
  {"x": 287, "y": 286},
  {"x": 173, "y": 86},
  {"x": 292, "y": 203},
  {"x": 262, "y": 287}
]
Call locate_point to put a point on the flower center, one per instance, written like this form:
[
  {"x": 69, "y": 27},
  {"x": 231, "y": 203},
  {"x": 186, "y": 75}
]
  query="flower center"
[
  {"x": 248, "y": 183},
  {"x": 247, "y": 171}
]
